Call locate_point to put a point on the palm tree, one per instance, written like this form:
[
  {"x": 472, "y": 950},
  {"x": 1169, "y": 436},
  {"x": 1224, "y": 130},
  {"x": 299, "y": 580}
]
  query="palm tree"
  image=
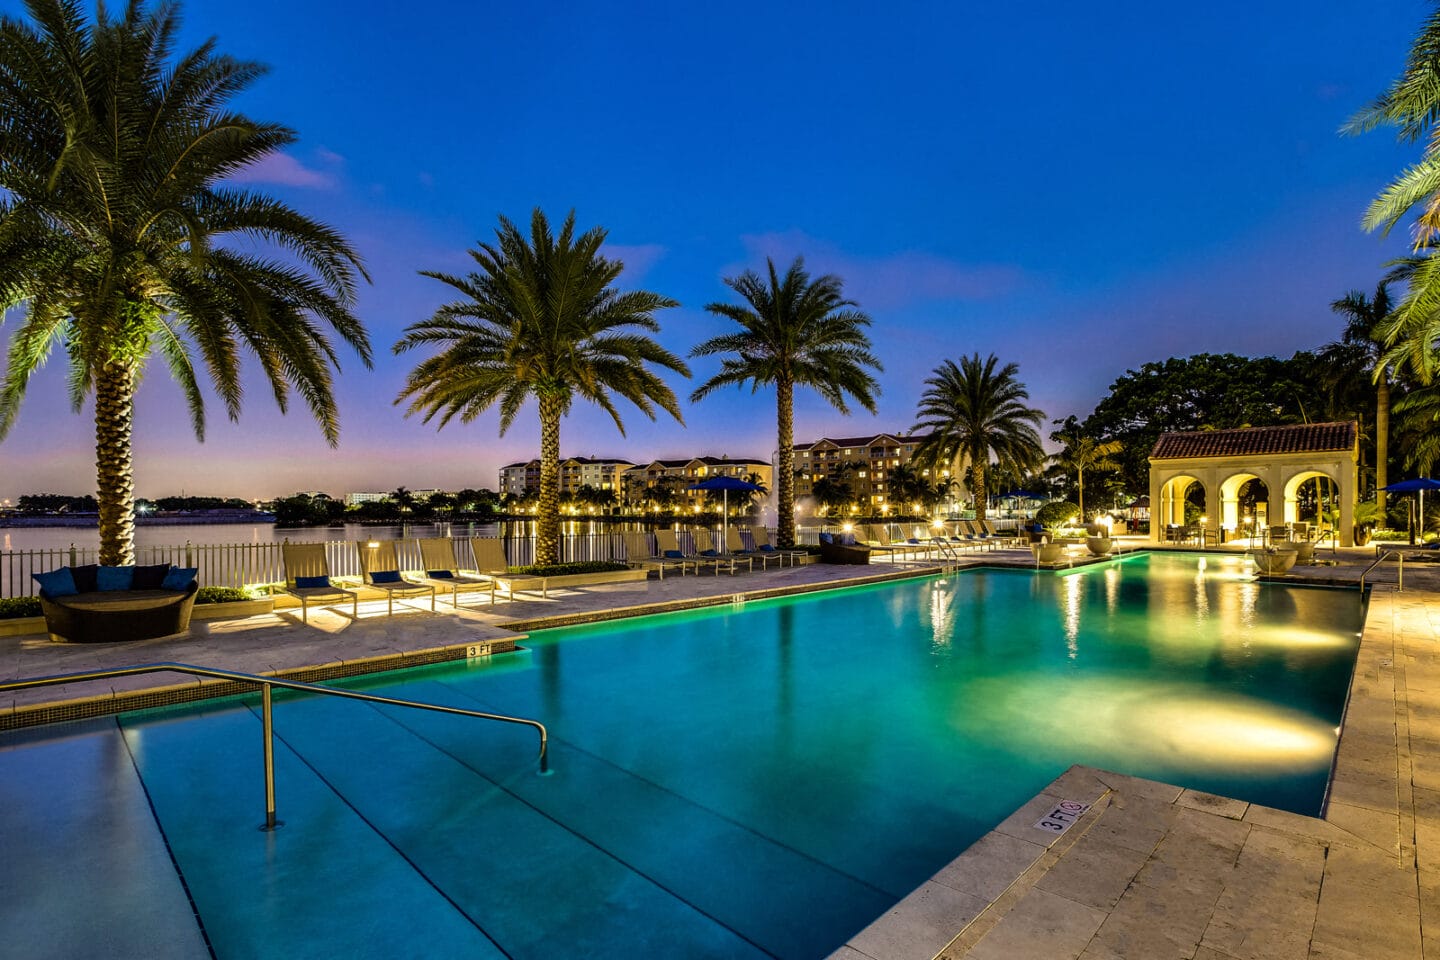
[
  {"x": 794, "y": 332},
  {"x": 119, "y": 235},
  {"x": 1082, "y": 453},
  {"x": 403, "y": 499},
  {"x": 1412, "y": 106},
  {"x": 1364, "y": 319},
  {"x": 971, "y": 411},
  {"x": 540, "y": 318}
]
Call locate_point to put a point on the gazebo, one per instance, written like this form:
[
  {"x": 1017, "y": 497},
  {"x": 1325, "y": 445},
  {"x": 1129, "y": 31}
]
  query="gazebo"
[{"x": 1282, "y": 458}]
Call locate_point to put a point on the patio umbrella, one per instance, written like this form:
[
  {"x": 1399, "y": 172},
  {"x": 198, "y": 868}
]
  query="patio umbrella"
[
  {"x": 1418, "y": 485},
  {"x": 725, "y": 485}
]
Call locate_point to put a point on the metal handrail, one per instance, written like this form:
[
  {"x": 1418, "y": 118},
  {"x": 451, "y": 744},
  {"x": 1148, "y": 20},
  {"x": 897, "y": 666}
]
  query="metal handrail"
[
  {"x": 1399, "y": 571},
  {"x": 267, "y": 723}
]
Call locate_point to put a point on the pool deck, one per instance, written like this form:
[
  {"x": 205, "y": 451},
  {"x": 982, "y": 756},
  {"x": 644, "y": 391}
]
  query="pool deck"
[{"x": 1150, "y": 870}]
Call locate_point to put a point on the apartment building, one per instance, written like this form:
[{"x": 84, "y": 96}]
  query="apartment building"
[
  {"x": 681, "y": 473},
  {"x": 862, "y": 462},
  {"x": 575, "y": 472}
]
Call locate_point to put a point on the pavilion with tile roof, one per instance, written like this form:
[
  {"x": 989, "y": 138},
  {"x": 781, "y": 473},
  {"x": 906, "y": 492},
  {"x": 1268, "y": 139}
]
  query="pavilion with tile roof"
[{"x": 1282, "y": 458}]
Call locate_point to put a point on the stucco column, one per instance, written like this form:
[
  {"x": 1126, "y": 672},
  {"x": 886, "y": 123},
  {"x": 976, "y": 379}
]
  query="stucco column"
[
  {"x": 1156, "y": 507},
  {"x": 1349, "y": 489}
]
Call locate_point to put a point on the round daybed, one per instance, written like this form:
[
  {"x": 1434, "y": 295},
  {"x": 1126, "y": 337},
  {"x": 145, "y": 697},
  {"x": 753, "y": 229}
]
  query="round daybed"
[{"x": 112, "y": 616}]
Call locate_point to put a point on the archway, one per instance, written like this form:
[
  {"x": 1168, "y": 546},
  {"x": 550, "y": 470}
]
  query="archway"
[
  {"x": 1174, "y": 494},
  {"x": 1312, "y": 496},
  {"x": 1244, "y": 505}
]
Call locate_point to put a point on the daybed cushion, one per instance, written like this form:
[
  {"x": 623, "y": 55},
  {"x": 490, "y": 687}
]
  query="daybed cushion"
[
  {"x": 178, "y": 578},
  {"x": 115, "y": 578},
  {"x": 104, "y": 616},
  {"x": 151, "y": 577},
  {"x": 57, "y": 583}
]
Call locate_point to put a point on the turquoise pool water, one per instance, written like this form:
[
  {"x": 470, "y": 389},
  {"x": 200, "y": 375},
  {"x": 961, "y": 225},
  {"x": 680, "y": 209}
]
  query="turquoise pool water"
[{"x": 743, "y": 781}]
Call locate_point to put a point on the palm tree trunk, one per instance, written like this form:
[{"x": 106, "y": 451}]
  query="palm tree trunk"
[
  {"x": 785, "y": 481},
  {"x": 1382, "y": 440},
  {"x": 1080, "y": 491},
  {"x": 114, "y": 469},
  {"x": 547, "y": 508},
  {"x": 977, "y": 475}
]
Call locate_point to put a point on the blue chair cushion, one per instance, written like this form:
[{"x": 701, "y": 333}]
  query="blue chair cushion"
[
  {"x": 767, "y": 548},
  {"x": 149, "y": 578},
  {"x": 303, "y": 583},
  {"x": 114, "y": 578},
  {"x": 674, "y": 555},
  {"x": 708, "y": 553},
  {"x": 385, "y": 576},
  {"x": 440, "y": 574},
  {"x": 179, "y": 578},
  {"x": 57, "y": 583}
]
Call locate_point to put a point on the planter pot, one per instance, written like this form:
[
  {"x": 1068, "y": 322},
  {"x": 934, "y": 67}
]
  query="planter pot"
[
  {"x": 1275, "y": 561},
  {"x": 1304, "y": 551},
  {"x": 1099, "y": 546},
  {"x": 1048, "y": 552}
]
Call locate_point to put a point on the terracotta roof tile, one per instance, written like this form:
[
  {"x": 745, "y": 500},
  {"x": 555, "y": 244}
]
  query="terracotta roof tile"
[{"x": 1254, "y": 441}]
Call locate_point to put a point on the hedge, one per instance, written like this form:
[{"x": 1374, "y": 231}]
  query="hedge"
[{"x": 565, "y": 569}]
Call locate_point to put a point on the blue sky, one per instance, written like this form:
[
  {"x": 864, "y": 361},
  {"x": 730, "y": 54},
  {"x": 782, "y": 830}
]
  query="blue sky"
[{"x": 1077, "y": 188}]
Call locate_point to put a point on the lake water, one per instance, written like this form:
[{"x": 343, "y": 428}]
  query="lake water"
[{"x": 59, "y": 538}]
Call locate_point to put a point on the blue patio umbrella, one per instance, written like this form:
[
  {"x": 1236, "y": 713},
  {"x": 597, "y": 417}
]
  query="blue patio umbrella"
[
  {"x": 725, "y": 484},
  {"x": 1418, "y": 485}
]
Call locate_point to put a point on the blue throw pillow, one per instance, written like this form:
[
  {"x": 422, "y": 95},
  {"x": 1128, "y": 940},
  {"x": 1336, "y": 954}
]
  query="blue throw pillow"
[
  {"x": 114, "y": 578},
  {"x": 385, "y": 576},
  {"x": 440, "y": 574},
  {"x": 845, "y": 539},
  {"x": 674, "y": 555},
  {"x": 303, "y": 583},
  {"x": 827, "y": 538},
  {"x": 57, "y": 583},
  {"x": 179, "y": 578}
]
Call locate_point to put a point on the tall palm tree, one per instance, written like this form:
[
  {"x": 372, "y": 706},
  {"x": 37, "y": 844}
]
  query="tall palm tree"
[
  {"x": 1412, "y": 106},
  {"x": 1364, "y": 319},
  {"x": 540, "y": 318},
  {"x": 795, "y": 332},
  {"x": 970, "y": 411},
  {"x": 403, "y": 499},
  {"x": 121, "y": 239},
  {"x": 1081, "y": 453}
]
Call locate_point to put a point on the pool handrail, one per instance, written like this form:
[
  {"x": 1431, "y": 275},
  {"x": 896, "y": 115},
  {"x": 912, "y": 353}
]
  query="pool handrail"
[
  {"x": 1399, "y": 572},
  {"x": 267, "y": 723}
]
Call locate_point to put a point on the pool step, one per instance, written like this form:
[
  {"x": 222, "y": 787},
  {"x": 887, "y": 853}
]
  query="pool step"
[
  {"x": 323, "y": 885},
  {"x": 84, "y": 864}
]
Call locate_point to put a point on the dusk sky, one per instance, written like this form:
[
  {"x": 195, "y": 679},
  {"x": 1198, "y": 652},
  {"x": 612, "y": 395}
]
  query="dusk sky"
[{"x": 1077, "y": 188}]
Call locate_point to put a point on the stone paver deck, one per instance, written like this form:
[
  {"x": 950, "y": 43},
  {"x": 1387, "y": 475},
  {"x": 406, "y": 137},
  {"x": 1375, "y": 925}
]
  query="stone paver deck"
[{"x": 1151, "y": 870}]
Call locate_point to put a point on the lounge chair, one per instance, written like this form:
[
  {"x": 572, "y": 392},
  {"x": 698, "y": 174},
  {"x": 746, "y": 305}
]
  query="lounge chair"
[
  {"x": 307, "y": 579},
  {"x": 668, "y": 543},
  {"x": 442, "y": 568},
  {"x": 380, "y": 570},
  {"x": 1006, "y": 540},
  {"x": 638, "y": 553},
  {"x": 706, "y": 550},
  {"x": 971, "y": 534},
  {"x": 875, "y": 538},
  {"x": 735, "y": 546},
  {"x": 761, "y": 536},
  {"x": 490, "y": 563}
]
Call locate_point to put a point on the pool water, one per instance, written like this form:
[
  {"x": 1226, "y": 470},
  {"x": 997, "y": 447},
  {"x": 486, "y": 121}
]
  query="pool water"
[{"x": 745, "y": 781}]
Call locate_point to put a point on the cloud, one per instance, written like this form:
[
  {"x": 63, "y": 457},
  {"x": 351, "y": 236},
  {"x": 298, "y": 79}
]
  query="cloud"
[
  {"x": 283, "y": 169},
  {"x": 890, "y": 281},
  {"x": 638, "y": 258}
]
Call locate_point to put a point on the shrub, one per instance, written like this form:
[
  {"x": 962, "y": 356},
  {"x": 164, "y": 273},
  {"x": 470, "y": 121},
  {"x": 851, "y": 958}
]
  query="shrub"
[
  {"x": 13, "y": 608},
  {"x": 221, "y": 595},
  {"x": 1056, "y": 513},
  {"x": 565, "y": 569}
]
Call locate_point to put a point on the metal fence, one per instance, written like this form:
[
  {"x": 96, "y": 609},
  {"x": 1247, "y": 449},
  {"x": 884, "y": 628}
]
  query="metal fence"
[{"x": 250, "y": 564}]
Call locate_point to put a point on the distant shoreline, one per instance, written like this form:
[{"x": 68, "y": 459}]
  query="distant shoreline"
[{"x": 24, "y": 522}]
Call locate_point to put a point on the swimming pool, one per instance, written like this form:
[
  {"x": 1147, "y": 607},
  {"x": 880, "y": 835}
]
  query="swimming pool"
[{"x": 748, "y": 781}]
